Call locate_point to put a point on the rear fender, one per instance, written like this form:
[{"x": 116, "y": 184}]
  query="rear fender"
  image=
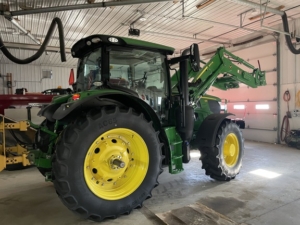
[
  {"x": 207, "y": 133},
  {"x": 69, "y": 111},
  {"x": 71, "y": 108},
  {"x": 63, "y": 111}
]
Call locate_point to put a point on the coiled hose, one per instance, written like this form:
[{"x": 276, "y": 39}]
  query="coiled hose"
[
  {"x": 43, "y": 46},
  {"x": 287, "y": 37},
  {"x": 285, "y": 127}
]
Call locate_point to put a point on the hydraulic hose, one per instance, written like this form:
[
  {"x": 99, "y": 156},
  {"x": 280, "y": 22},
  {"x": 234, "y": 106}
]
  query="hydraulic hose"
[
  {"x": 287, "y": 37},
  {"x": 285, "y": 128},
  {"x": 43, "y": 46}
]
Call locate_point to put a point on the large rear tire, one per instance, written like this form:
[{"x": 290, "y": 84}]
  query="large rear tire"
[
  {"x": 223, "y": 161},
  {"x": 107, "y": 163}
]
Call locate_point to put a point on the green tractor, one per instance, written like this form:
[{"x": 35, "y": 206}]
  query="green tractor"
[{"x": 105, "y": 145}]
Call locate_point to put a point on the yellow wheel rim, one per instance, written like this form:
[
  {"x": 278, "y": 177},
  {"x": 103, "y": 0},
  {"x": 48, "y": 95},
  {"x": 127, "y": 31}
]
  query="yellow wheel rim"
[
  {"x": 231, "y": 149},
  {"x": 116, "y": 164}
]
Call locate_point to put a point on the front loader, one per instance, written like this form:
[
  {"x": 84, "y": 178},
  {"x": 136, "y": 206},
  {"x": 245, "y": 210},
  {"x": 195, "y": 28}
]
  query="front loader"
[{"x": 105, "y": 145}]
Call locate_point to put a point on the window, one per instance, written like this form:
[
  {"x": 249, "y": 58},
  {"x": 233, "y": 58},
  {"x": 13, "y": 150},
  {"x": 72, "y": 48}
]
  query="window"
[
  {"x": 239, "y": 106},
  {"x": 138, "y": 70},
  {"x": 89, "y": 71},
  {"x": 142, "y": 71},
  {"x": 262, "y": 106}
]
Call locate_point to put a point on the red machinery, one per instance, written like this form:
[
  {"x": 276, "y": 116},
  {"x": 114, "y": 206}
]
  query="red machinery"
[{"x": 7, "y": 101}]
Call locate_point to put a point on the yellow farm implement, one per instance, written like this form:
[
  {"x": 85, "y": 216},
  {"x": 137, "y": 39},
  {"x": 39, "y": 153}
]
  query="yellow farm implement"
[{"x": 13, "y": 137}]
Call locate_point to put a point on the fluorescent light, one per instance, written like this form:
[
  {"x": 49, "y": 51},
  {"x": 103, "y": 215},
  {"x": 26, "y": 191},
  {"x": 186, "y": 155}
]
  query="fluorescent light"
[
  {"x": 265, "y": 173},
  {"x": 265, "y": 13},
  {"x": 204, "y": 4},
  {"x": 239, "y": 106},
  {"x": 262, "y": 106}
]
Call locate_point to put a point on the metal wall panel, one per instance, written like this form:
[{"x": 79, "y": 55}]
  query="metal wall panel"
[
  {"x": 30, "y": 77},
  {"x": 50, "y": 58},
  {"x": 290, "y": 79}
]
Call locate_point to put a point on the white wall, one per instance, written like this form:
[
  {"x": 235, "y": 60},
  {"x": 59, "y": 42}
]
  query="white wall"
[
  {"x": 29, "y": 76},
  {"x": 290, "y": 80}
]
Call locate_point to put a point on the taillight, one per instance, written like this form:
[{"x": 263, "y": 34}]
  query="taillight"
[{"x": 75, "y": 96}]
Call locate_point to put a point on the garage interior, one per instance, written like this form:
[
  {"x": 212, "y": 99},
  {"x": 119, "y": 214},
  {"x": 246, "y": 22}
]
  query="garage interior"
[{"x": 265, "y": 189}]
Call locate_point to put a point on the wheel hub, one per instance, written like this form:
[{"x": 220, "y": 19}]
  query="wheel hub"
[
  {"x": 116, "y": 164},
  {"x": 231, "y": 150}
]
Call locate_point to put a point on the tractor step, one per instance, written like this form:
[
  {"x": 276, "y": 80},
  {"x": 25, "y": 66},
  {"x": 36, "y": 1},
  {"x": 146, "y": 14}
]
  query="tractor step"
[{"x": 175, "y": 144}]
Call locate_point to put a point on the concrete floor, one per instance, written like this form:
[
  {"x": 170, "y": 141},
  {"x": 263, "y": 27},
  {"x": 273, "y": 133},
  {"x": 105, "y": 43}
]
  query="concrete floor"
[{"x": 26, "y": 199}]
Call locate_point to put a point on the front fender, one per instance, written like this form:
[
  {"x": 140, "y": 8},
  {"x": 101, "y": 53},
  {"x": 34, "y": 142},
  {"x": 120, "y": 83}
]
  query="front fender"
[{"x": 207, "y": 133}]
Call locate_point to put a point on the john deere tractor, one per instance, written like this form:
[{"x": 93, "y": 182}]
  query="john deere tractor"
[{"x": 105, "y": 145}]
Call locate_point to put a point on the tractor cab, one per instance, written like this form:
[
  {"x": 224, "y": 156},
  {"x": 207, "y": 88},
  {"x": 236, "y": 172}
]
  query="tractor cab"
[{"x": 136, "y": 68}]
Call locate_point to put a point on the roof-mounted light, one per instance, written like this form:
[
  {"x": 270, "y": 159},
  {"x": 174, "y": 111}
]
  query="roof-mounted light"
[
  {"x": 96, "y": 40},
  {"x": 113, "y": 40}
]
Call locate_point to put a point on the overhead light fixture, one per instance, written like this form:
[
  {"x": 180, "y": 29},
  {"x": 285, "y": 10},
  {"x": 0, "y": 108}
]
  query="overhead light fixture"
[
  {"x": 204, "y": 4},
  {"x": 143, "y": 18},
  {"x": 133, "y": 32},
  {"x": 265, "y": 13}
]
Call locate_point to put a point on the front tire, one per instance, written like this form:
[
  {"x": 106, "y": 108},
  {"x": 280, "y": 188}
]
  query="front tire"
[
  {"x": 107, "y": 163},
  {"x": 223, "y": 161}
]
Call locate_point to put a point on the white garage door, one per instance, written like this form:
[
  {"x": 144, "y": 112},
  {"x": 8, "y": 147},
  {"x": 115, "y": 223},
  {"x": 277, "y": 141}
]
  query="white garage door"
[{"x": 258, "y": 106}]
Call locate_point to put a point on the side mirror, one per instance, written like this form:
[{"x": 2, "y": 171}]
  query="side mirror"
[{"x": 195, "y": 57}]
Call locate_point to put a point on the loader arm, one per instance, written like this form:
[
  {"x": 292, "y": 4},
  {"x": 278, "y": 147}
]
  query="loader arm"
[{"x": 223, "y": 62}]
